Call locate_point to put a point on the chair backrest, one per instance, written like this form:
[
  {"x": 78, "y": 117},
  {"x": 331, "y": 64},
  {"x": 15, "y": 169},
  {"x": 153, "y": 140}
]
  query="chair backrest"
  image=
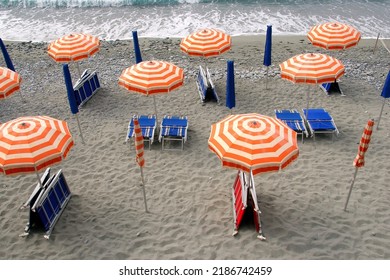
[{"x": 86, "y": 87}]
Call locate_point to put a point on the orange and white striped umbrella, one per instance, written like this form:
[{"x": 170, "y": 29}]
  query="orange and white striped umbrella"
[
  {"x": 9, "y": 82},
  {"x": 363, "y": 146},
  {"x": 334, "y": 36},
  {"x": 73, "y": 47},
  {"x": 152, "y": 77},
  {"x": 311, "y": 68},
  {"x": 29, "y": 144},
  {"x": 206, "y": 43},
  {"x": 253, "y": 143}
]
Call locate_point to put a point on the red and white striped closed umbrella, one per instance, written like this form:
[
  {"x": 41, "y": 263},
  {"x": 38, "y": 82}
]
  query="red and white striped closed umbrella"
[
  {"x": 29, "y": 144},
  {"x": 206, "y": 42},
  {"x": 152, "y": 77},
  {"x": 9, "y": 82},
  {"x": 334, "y": 36},
  {"x": 311, "y": 68},
  {"x": 139, "y": 157},
  {"x": 359, "y": 159},
  {"x": 253, "y": 143}
]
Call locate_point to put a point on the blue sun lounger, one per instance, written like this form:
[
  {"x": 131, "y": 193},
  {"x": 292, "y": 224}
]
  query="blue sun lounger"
[
  {"x": 47, "y": 203},
  {"x": 86, "y": 87},
  {"x": 205, "y": 85},
  {"x": 294, "y": 120},
  {"x": 148, "y": 124},
  {"x": 173, "y": 128},
  {"x": 320, "y": 121},
  {"x": 329, "y": 88}
]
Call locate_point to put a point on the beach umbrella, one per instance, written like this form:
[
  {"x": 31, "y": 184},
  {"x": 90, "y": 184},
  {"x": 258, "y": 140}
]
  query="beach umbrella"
[
  {"x": 311, "y": 69},
  {"x": 71, "y": 97},
  {"x": 267, "y": 51},
  {"x": 29, "y": 144},
  {"x": 206, "y": 43},
  {"x": 230, "y": 90},
  {"x": 9, "y": 82},
  {"x": 253, "y": 143},
  {"x": 73, "y": 47},
  {"x": 137, "y": 51},
  {"x": 334, "y": 36},
  {"x": 151, "y": 78},
  {"x": 359, "y": 159},
  {"x": 6, "y": 56},
  {"x": 385, "y": 94},
  {"x": 139, "y": 158}
]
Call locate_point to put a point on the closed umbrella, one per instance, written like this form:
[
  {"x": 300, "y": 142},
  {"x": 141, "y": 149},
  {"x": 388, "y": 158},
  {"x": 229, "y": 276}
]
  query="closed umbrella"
[
  {"x": 29, "y": 144},
  {"x": 267, "y": 51},
  {"x": 385, "y": 94},
  {"x": 151, "y": 78},
  {"x": 255, "y": 144},
  {"x": 359, "y": 159},
  {"x": 9, "y": 82},
  {"x": 73, "y": 47},
  {"x": 230, "y": 87},
  {"x": 139, "y": 158},
  {"x": 137, "y": 50},
  {"x": 311, "y": 69},
  {"x": 6, "y": 56},
  {"x": 334, "y": 36}
]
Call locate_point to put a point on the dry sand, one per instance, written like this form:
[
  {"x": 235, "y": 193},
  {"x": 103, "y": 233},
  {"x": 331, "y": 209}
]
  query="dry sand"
[{"x": 188, "y": 192}]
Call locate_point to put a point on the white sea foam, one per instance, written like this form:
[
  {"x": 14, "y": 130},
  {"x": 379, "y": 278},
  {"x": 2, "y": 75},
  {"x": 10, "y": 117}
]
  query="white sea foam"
[{"x": 111, "y": 23}]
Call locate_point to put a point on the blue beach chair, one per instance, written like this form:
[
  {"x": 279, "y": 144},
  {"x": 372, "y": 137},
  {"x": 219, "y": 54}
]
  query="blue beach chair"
[
  {"x": 294, "y": 120},
  {"x": 205, "y": 85},
  {"x": 320, "y": 121},
  {"x": 173, "y": 128},
  {"x": 148, "y": 124},
  {"x": 86, "y": 87}
]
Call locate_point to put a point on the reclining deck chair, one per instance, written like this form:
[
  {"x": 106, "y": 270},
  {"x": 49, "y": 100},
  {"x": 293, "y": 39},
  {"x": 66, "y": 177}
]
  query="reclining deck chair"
[
  {"x": 47, "y": 202},
  {"x": 329, "y": 88},
  {"x": 294, "y": 120},
  {"x": 244, "y": 195},
  {"x": 86, "y": 87},
  {"x": 205, "y": 85},
  {"x": 148, "y": 124},
  {"x": 320, "y": 121},
  {"x": 173, "y": 128}
]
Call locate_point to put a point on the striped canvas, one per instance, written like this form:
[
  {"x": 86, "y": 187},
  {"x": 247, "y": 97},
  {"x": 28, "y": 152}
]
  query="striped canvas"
[
  {"x": 9, "y": 82},
  {"x": 363, "y": 146}
]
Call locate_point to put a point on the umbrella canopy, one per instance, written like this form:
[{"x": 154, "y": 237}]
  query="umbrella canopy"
[
  {"x": 311, "y": 68},
  {"x": 334, "y": 36},
  {"x": 9, "y": 82},
  {"x": 206, "y": 43},
  {"x": 363, "y": 146},
  {"x": 73, "y": 47},
  {"x": 152, "y": 77},
  {"x": 29, "y": 144},
  {"x": 253, "y": 143}
]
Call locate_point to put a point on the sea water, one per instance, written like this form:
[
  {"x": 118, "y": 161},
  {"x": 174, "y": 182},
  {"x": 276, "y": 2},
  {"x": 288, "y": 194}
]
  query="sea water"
[{"x": 46, "y": 20}]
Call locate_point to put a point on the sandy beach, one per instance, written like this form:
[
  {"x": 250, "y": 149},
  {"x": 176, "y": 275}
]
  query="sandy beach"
[{"x": 189, "y": 192}]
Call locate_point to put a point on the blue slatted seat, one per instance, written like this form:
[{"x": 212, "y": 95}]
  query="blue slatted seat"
[
  {"x": 294, "y": 120},
  {"x": 173, "y": 128},
  {"x": 86, "y": 87},
  {"x": 205, "y": 85},
  {"x": 148, "y": 124},
  {"x": 320, "y": 121}
]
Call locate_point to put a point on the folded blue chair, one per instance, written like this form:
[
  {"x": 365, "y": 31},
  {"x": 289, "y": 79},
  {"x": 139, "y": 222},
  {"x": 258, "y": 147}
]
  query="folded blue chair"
[
  {"x": 173, "y": 128},
  {"x": 205, "y": 85},
  {"x": 86, "y": 87},
  {"x": 294, "y": 120},
  {"x": 320, "y": 121},
  {"x": 47, "y": 202},
  {"x": 148, "y": 124},
  {"x": 329, "y": 88}
]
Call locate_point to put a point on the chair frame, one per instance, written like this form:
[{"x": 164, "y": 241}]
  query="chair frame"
[
  {"x": 286, "y": 121},
  {"x": 334, "y": 131},
  {"x": 163, "y": 138},
  {"x": 150, "y": 140}
]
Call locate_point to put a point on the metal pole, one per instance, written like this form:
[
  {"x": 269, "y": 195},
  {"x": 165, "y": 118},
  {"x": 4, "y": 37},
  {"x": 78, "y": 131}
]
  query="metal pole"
[
  {"x": 143, "y": 189},
  {"x": 266, "y": 79},
  {"x": 350, "y": 189},
  {"x": 39, "y": 178},
  {"x": 78, "y": 68},
  {"x": 376, "y": 42},
  {"x": 155, "y": 107},
  {"x": 307, "y": 103},
  {"x": 380, "y": 115},
  {"x": 78, "y": 123}
]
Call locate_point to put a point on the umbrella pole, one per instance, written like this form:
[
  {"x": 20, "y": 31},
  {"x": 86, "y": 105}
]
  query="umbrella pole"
[
  {"x": 380, "y": 115},
  {"x": 81, "y": 134},
  {"x": 39, "y": 178},
  {"x": 266, "y": 79},
  {"x": 350, "y": 189},
  {"x": 78, "y": 69},
  {"x": 143, "y": 188},
  {"x": 307, "y": 103},
  {"x": 155, "y": 107},
  {"x": 376, "y": 43}
]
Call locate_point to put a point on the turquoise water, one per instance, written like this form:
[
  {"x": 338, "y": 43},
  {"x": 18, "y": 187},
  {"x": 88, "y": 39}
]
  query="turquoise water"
[{"x": 46, "y": 20}]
